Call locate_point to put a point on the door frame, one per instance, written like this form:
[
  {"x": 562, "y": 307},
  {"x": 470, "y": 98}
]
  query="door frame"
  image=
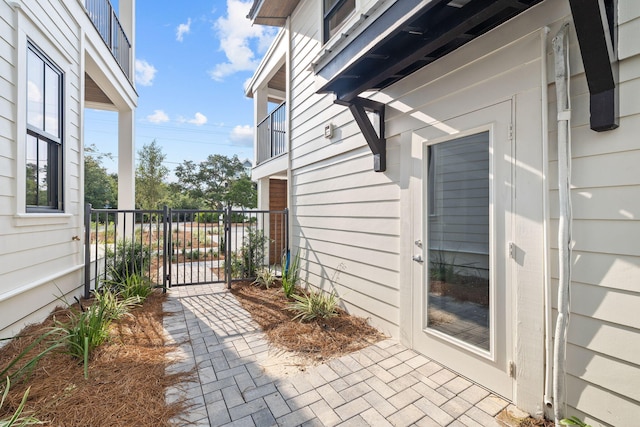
[{"x": 501, "y": 352}]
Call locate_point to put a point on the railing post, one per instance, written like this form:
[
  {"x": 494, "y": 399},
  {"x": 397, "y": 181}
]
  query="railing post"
[
  {"x": 87, "y": 250},
  {"x": 165, "y": 247},
  {"x": 227, "y": 243}
]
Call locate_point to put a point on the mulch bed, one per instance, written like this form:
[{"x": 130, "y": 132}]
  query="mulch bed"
[
  {"x": 126, "y": 384},
  {"x": 317, "y": 340}
]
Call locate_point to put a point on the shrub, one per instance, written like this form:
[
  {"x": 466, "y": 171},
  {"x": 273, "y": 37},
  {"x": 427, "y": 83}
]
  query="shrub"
[
  {"x": 314, "y": 305},
  {"x": 265, "y": 277},
  {"x": 128, "y": 258},
  {"x": 290, "y": 274},
  {"x": 251, "y": 255}
]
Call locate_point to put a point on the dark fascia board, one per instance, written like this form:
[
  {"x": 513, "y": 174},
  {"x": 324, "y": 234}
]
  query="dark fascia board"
[{"x": 593, "y": 20}]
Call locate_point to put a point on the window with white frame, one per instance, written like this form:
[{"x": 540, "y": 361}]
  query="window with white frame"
[
  {"x": 335, "y": 13},
  {"x": 44, "y": 133}
]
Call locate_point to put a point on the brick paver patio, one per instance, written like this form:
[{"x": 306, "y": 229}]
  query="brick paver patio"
[{"x": 384, "y": 384}]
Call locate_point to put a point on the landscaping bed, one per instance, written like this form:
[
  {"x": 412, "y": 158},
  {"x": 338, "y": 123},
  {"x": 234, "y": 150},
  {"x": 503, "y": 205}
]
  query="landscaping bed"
[
  {"x": 316, "y": 340},
  {"x": 126, "y": 375}
]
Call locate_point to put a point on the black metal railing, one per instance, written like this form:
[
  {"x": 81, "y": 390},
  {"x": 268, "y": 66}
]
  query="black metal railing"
[
  {"x": 272, "y": 134},
  {"x": 177, "y": 247},
  {"x": 106, "y": 21}
]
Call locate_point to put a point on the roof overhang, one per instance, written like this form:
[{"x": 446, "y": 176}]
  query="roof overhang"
[
  {"x": 271, "y": 12},
  {"x": 411, "y": 34}
]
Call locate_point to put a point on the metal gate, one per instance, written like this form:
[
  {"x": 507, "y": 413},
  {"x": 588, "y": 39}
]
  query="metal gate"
[{"x": 179, "y": 247}]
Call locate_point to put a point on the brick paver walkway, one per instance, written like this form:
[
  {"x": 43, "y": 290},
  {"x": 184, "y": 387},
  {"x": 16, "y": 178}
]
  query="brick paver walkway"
[{"x": 384, "y": 384}]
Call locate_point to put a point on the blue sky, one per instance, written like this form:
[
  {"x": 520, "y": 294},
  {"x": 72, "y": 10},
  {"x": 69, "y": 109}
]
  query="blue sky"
[{"x": 192, "y": 60}]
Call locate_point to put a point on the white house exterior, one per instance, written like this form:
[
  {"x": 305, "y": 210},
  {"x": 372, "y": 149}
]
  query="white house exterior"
[
  {"x": 424, "y": 134},
  {"x": 54, "y": 63}
]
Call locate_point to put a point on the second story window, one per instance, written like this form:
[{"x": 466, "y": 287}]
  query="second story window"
[
  {"x": 44, "y": 134},
  {"x": 336, "y": 13}
]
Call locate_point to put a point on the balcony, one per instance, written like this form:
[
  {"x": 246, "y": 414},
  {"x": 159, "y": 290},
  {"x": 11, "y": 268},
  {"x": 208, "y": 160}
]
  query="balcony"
[
  {"x": 272, "y": 135},
  {"x": 106, "y": 21}
]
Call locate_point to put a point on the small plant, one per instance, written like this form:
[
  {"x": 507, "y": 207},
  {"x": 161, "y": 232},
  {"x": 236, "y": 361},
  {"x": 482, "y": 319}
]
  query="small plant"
[
  {"x": 573, "y": 421},
  {"x": 128, "y": 258},
  {"x": 266, "y": 277},
  {"x": 290, "y": 274},
  {"x": 87, "y": 330},
  {"x": 54, "y": 338},
  {"x": 16, "y": 419},
  {"x": 314, "y": 305},
  {"x": 135, "y": 289}
]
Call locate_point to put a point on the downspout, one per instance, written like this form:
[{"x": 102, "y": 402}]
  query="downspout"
[
  {"x": 548, "y": 311},
  {"x": 562, "y": 77}
]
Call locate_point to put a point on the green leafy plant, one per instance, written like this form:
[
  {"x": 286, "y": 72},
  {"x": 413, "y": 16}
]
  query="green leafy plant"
[
  {"x": 16, "y": 420},
  {"x": 88, "y": 328},
  {"x": 314, "y": 305},
  {"x": 134, "y": 289},
  {"x": 251, "y": 255},
  {"x": 128, "y": 258},
  {"x": 266, "y": 277},
  {"x": 573, "y": 421},
  {"x": 16, "y": 370},
  {"x": 290, "y": 275}
]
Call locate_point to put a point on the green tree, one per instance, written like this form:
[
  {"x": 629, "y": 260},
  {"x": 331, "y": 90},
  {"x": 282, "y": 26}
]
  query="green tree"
[
  {"x": 151, "y": 188},
  {"x": 243, "y": 192},
  {"x": 211, "y": 180},
  {"x": 100, "y": 188}
]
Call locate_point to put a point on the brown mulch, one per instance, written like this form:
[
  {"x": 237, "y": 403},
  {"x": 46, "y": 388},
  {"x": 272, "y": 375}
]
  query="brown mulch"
[
  {"x": 126, "y": 384},
  {"x": 316, "y": 340}
]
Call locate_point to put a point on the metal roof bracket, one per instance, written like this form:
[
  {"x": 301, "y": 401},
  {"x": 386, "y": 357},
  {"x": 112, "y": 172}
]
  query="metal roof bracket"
[{"x": 375, "y": 138}]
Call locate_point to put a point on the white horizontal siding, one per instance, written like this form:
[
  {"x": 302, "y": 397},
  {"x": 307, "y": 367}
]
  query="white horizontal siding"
[
  {"x": 347, "y": 232},
  {"x": 604, "y": 330}
]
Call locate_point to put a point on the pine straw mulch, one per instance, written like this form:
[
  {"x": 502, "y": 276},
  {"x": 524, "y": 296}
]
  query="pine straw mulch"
[
  {"x": 317, "y": 340},
  {"x": 127, "y": 379}
]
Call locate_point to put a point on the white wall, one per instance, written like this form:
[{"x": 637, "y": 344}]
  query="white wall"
[
  {"x": 603, "y": 353},
  {"x": 346, "y": 218},
  {"x": 348, "y": 222},
  {"x": 41, "y": 255}
]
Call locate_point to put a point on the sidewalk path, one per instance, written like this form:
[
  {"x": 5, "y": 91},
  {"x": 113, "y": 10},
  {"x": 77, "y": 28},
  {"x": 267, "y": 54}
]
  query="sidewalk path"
[{"x": 384, "y": 384}]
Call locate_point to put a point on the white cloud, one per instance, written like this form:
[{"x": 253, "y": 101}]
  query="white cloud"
[
  {"x": 183, "y": 29},
  {"x": 236, "y": 33},
  {"x": 198, "y": 120},
  {"x": 145, "y": 72},
  {"x": 242, "y": 135},
  {"x": 158, "y": 116}
]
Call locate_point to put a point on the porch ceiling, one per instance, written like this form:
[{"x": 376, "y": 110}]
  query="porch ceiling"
[
  {"x": 93, "y": 93},
  {"x": 271, "y": 12},
  {"x": 279, "y": 80},
  {"x": 416, "y": 39}
]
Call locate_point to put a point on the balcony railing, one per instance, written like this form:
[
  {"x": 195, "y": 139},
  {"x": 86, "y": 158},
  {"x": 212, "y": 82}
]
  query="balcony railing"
[
  {"x": 106, "y": 22},
  {"x": 272, "y": 134}
]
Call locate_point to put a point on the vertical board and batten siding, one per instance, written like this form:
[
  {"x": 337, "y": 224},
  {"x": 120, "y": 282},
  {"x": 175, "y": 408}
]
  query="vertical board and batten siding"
[
  {"x": 603, "y": 350},
  {"x": 38, "y": 254}
]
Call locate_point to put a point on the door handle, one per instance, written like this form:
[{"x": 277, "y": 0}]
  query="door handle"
[{"x": 418, "y": 258}]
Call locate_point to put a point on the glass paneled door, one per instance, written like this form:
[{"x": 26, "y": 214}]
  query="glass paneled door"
[{"x": 462, "y": 317}]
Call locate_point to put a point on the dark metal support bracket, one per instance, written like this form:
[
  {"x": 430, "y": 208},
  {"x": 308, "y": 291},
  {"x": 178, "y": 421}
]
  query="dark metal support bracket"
[
  {"x": 594, "y": 21},
  {"x": 375, "y": 139}
]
